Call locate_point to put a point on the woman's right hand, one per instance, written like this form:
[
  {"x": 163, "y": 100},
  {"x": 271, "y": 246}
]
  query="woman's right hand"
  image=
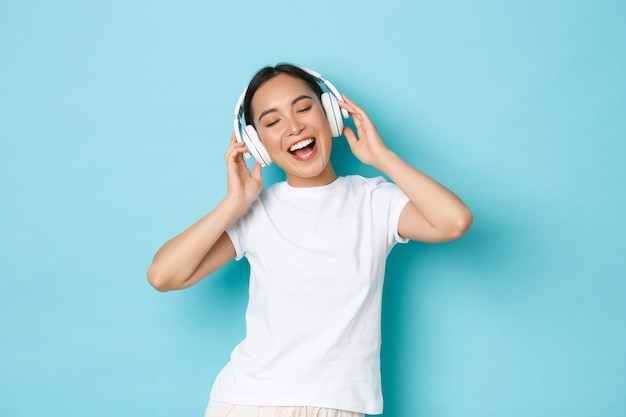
[
  {"x": 242, "y": 185},
  {"x": 204, "y": 246}
]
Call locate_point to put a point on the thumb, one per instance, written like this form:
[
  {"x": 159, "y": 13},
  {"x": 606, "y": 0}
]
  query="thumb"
[
  {"x": 257, "y": 173},
  {"x": 350, "y": 136}
]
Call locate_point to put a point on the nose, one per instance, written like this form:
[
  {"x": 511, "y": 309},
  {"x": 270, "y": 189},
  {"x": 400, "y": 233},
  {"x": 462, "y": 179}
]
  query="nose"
[{"x": 293, "y": 126}]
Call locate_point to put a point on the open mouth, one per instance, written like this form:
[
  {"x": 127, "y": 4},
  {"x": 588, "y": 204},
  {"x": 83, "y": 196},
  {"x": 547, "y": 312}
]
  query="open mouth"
[{"x": 302, "y": 148}]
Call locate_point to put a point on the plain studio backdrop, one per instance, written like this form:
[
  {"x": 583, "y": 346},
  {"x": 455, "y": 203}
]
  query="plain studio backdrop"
[{"x": 114, "y": 117}]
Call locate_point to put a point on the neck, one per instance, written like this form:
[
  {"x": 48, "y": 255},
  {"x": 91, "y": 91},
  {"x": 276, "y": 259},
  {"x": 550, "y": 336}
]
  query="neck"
[{"x": 324, "y": 178}]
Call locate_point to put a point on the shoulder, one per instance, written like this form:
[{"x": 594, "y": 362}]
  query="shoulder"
[
  {"x": 267, "y": 203},
  {"x": 270, "y": 192},
  {"x": 364, "y": 181}
]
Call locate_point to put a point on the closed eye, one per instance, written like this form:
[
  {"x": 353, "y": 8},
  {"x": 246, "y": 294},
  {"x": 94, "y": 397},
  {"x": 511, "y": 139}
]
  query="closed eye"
[
  {"x": 305, "y": 109},
  {"x": 272, "y": 123}
]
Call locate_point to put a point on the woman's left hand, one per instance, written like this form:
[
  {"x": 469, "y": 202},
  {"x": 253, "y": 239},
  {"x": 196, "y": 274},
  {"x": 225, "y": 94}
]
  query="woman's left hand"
[{"x": 368, "y": 147}]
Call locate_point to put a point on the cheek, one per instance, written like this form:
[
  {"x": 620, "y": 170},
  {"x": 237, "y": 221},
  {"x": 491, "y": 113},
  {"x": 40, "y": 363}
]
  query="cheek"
[
  {"x": 323, "y": 121},
  {"x": 318, "y": 118},
  {"x": 268, "y": 137}
]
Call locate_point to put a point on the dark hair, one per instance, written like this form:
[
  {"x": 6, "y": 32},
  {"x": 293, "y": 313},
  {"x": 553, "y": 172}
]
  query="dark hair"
[{"x": 266, "y": 74}]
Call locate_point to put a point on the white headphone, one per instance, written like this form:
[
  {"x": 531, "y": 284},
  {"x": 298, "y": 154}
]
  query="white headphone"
[{"x": 250, "y": 137}]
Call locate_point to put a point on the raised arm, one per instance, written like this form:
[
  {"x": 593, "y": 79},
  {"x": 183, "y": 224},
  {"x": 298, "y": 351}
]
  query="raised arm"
[
  {"x": 434, "y": 213},
  {"x": 205, "y": 247}
]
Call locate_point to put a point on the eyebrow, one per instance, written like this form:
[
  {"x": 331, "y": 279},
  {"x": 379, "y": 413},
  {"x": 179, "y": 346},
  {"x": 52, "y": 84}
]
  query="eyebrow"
[{"x": 293, "y": 102}]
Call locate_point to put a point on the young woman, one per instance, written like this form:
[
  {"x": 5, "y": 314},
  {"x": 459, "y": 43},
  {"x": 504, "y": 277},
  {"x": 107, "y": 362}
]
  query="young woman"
[{"x": 316, "y": 245}]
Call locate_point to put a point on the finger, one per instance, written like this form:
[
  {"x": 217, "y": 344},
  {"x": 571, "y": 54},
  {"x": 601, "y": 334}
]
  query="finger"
[
  {"x": 356, "y": 109},
  {"x": 351, "y": 104},
  {"x": 347, "y": 106},
  {"x": 257, "y": 172},
  {"x": 235, "y": 145},
  {"x": 363, "y": 123},
  {"x": 234, "y": 150},
  {"x": 233, "y": 142},
  {"x": 228, "y": 155},
  {"x": 351, "y": 138},
  {"x": 359, "y": 123}
]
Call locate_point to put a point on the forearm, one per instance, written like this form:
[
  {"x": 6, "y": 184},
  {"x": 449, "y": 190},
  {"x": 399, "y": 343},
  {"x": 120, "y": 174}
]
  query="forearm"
[
  {"x": 179, "y": 258},
  {"x": 434, "y": 213},
  {"x": 439, "y": 206}
]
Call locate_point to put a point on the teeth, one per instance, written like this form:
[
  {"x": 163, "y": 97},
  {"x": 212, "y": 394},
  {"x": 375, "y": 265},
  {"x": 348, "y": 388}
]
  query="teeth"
[{"x": 301, "y": 145}]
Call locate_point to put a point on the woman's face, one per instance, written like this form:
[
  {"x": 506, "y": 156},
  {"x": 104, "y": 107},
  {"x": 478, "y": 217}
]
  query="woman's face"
[{"x": 292, "y": 125}]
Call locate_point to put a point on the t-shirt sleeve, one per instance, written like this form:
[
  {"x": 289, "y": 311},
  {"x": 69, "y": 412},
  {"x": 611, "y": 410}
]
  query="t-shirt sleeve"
[
  {"x": 234, "y": 232},
  {"x": 392, "y": 201},
  {"x": 400, "y": 201}
]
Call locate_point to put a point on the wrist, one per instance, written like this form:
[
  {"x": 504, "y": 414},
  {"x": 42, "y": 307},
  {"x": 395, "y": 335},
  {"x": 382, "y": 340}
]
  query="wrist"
[
  {"x": 385, "y": 160},
  {"x": 235, "y": 204}
]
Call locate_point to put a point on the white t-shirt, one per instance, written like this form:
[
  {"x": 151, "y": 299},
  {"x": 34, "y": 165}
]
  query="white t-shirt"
[{"x": 317, "y": 262}]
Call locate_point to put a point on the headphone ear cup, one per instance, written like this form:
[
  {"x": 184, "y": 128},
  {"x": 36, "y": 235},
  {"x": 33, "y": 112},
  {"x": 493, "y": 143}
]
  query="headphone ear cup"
[
  {"x": 333, "y": 114},
  {"x": 255, "y": 146}
]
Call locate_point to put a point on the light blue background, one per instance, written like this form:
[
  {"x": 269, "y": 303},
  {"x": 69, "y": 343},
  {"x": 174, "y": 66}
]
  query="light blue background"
[{"x": 114, "y": 116}]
